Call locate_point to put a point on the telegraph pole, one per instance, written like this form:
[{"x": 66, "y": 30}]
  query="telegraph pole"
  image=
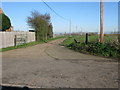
[
  {"x": 70, "y": 27},
  {"x": 101, "y": 20},
  {"x": 76, "y": 28}
]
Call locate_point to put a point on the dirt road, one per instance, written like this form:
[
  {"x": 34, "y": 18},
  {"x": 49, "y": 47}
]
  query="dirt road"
[{"x": 50, "y": 65}]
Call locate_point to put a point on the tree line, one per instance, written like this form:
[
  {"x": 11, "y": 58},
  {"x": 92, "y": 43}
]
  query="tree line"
[{"x": 42, "y": 25}]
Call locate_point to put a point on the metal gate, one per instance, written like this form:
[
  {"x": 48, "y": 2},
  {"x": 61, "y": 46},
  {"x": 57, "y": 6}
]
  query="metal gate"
[{"x": 20, "y": 39}]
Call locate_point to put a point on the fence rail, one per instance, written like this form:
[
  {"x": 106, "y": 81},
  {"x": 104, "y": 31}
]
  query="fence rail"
[{"x": 8, "y": 39}]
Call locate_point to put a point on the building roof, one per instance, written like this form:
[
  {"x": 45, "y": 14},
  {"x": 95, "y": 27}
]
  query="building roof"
[{"x": 1, "y": 11}]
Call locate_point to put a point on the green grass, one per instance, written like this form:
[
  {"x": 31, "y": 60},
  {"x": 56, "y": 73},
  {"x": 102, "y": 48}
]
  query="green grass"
[
  {"x": 54, "y": 38},
  {"x": 110, "y": 47},
  {"x": 107, "y": 39},
  {"x": 69, "y": 40},
  {"x": 29, "y": 44},
  {"x": 20, "y": 46}
]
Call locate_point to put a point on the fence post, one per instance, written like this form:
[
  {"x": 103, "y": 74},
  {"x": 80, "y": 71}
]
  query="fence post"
[
  {"x": 15, "y": 40},
  {"x": 86, "y": 39}
]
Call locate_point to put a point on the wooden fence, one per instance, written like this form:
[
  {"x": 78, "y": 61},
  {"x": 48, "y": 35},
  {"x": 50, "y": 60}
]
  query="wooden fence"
[{"x": 8, "y": 39}]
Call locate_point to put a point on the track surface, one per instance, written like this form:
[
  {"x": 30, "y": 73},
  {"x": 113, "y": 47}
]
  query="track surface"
[{"x": 50, "y": 65}]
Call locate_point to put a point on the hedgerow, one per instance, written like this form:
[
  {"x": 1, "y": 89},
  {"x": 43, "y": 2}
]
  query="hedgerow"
[{"x": 97, "y": 48}]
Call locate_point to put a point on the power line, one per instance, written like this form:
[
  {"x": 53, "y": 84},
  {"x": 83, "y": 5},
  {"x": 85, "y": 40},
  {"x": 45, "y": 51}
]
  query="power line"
[
  {"x": 54, "y": 11},
  {"x": 59, "y": 15}
]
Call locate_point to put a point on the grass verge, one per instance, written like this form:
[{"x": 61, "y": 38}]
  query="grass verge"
[
  {"x": 110, "y": 48},
  {"x": 29, "y": 44}
]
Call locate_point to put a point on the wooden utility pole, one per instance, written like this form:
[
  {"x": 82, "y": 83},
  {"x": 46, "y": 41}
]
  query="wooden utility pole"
[
  {"x": 70, "y": 27},
  {"x": 101, "y": 20}
]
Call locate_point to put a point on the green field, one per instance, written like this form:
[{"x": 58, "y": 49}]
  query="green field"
[
  {"x": 110, "y": 47},
  {"x": 81, "y": 38}
]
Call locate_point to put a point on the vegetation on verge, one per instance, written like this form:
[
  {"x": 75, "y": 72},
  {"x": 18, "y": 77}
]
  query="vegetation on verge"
[
  {"x": 29, "y": 44},
  {"x": 20, "y": 46},
  {"x": 110, "y": 47}
]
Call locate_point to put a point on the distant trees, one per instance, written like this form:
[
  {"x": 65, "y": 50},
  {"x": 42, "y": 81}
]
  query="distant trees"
[
  {"x": 4, "y": 22},
  {"x": 41, "y": 24}
]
